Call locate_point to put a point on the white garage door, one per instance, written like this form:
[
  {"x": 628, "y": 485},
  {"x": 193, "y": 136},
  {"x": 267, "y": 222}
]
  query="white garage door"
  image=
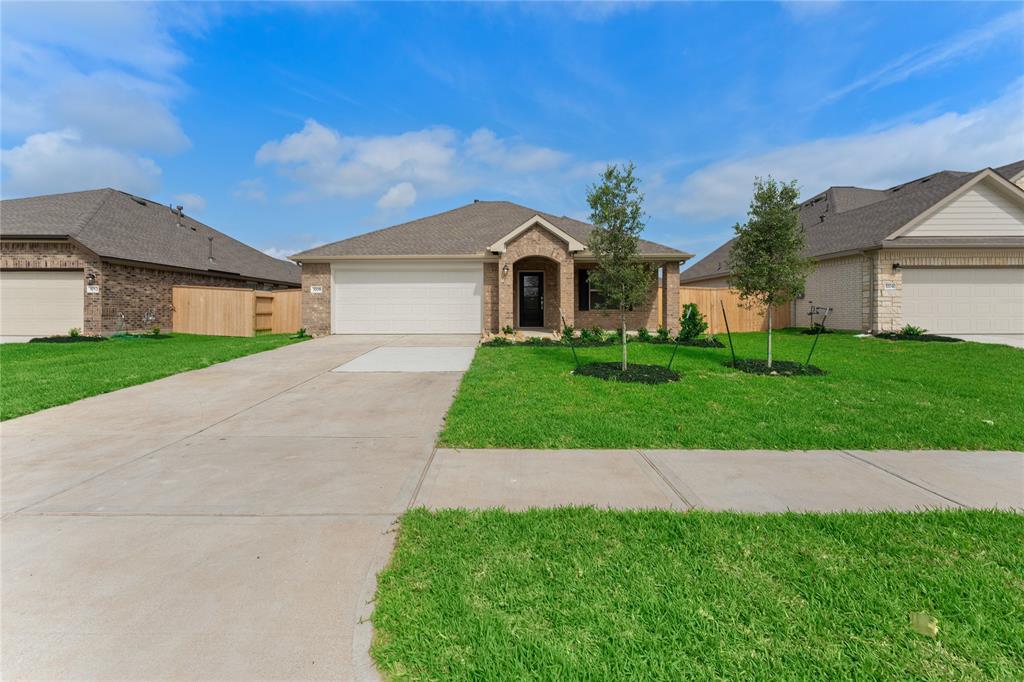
[
  {"x": 41, "y": 302},
  {"x": 407, "y": 297},
  {"x": 964, "y": 300}
]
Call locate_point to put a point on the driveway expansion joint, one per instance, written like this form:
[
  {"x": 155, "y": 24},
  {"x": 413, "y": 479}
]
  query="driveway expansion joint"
[{"x": 666, "y": 480}]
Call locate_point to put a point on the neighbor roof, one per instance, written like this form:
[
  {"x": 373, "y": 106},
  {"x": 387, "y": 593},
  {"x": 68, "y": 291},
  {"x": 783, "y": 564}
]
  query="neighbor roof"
[
  {"x": 465, "y": 231},
  {"x": 116, "y": 225},
  {"x": 842, "y": 219}
]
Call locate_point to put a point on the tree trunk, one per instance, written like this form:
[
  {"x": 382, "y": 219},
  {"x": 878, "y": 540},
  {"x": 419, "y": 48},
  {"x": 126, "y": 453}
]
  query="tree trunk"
[
  {"x": 769, "y": 337},
  {"x": 622, "y": 315}
]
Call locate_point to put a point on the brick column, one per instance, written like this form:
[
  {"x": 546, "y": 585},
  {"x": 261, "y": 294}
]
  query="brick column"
[
  {"x": 670, "y": 296},
  {"x": 506, "y": 284},
  {"x": 567, "y": 292},
  {"x": 316, "y": 308}
]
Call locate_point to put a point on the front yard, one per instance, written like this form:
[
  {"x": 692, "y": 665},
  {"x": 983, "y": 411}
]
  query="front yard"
[
  {"x": 34, "y": 376},
  {"x": 586, "y": 594},
  {"x": 877, "y": 395}
]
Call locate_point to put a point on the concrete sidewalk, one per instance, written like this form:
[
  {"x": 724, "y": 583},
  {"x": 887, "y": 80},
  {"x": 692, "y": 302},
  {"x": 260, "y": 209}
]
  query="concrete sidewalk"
[{"x": 753, "y": 481}]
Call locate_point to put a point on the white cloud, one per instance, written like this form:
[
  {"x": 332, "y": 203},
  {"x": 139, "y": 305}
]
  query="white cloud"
[
  {"x": 97, "y": 79},
  {"x": 398, "y": 196},
  {"x": 434, "y": 161},
  {"x": 485, "y": 146},
  {"x": 989, "y": 135},
  {"x": 193, "y": 203},
  {"x": 251, "y": 190},
  {"x": 964, "y": 45},
  {"x": 60, "y": 161},
  {"x": 281, "y": 254}
]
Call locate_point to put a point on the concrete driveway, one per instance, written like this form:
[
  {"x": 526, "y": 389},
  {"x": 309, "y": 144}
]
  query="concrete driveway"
[{"x": 225, "y": 523}]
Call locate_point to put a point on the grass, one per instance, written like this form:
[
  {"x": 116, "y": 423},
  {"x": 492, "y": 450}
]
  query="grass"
[
  {"x": 34, "y": 376},
  {"x": 876, "y": 394},
  {"x": 595, "y": 595}
]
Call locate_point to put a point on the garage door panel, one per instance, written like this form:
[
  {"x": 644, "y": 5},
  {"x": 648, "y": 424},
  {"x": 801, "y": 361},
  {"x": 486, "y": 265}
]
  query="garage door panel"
[
  {"x": 964, "y": 300},
  {"x": 407, "y": 298},
  {"x": 41, "y": 302}
]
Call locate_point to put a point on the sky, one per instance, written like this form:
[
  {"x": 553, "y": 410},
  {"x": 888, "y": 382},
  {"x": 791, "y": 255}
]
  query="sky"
[{"x": 292, "y": 125}]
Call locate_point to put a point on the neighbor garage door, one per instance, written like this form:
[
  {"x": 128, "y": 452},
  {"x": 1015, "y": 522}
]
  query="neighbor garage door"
[
  {"x": 964, "y": 300},
  {"x": 40, "y": 303},
  {"x": 407, "y": 297}
]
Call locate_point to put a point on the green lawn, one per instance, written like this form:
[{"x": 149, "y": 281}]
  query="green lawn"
[
  {"x": 877, "y": 394},
  {"x": 603, "y": 595},
  {"x": 34, "y": 376}
]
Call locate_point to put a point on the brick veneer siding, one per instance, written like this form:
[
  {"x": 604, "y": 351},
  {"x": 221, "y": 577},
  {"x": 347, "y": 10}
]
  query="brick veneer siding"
[
  {"x": 551, "y": 288},
  {"x": 837, "y": 284},
  {"x": 885, "y": 307},
  {"x": 129, "y": 290},
  {"x": 490, "y": 297},
  {"x": 536, "y": 242},
  {"x": 645, "y": 315},
  {"x": 316, "y": 308}
]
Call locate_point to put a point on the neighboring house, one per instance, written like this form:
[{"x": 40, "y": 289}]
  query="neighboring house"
[
  {"x": 103, "y": 260},
  {"x": 477, "y": 268},
  {"x": 944, "y": 252}
]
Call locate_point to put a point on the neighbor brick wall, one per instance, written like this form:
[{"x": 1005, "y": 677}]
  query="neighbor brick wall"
[
  {"x": 58, "y": 255},
  {"x": 838, "y": 284},
  {"x": 136, "y": 298},
  {"x": 886, "y": 310},
  {"x": 316, "y": 308}
]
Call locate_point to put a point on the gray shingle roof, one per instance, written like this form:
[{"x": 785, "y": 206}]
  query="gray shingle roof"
[
  {"x": 844, "y": 219},
  {"x": 113, "y": 224},
  {"x": 464, "y": 231}
]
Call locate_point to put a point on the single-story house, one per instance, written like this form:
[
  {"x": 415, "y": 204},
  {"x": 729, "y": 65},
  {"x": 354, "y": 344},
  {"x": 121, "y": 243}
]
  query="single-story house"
[
  {"x": 103, "y": 261},
  {"x": 475, "y": 269},
  {"x": 944, "y": 252}
]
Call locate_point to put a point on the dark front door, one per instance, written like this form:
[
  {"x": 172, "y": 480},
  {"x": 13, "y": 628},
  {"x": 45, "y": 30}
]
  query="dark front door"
[{"x": 531, "y": 299}]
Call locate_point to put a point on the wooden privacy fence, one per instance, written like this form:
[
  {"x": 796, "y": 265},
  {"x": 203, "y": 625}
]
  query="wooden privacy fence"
[
  {"x": 709, "y": 302},
  {"x": 222, "y": 311}
]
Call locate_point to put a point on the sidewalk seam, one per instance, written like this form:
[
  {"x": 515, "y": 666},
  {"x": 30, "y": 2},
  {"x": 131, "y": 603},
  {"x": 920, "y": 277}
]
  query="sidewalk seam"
[
  {"x": 904, "y": 479},
  {"x": 663, "y": 477}
]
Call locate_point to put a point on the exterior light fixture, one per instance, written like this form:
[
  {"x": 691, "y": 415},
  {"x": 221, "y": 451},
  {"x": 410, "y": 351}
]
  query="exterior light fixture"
[
  {"x": 504, "y": 271},
  {"x": 895, "y": 267},
  {"x": 90, "y": 278}
]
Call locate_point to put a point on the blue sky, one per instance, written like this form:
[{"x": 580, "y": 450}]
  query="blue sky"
[{"x": 297, "y": 124}]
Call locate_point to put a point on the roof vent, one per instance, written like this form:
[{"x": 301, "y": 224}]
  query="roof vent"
[
  {"x": 476, "y": 201},
  {"x": 211, "y": 248}
]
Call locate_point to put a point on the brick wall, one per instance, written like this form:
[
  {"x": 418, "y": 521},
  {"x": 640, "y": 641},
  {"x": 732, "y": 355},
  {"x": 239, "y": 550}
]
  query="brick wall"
[
  {"x": 490, "y": 297},
  {"x": 645, "y": 315},
  {"x": 58, "y": 255},
  {"x": 533, "y": 243},
  {"x": 316, "y": 308},
  {"x": 839, "y": 284}
]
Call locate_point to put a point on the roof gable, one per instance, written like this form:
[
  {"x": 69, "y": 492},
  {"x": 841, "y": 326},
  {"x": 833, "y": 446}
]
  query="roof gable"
[
  {"x": 573, "y": 244},
  {"x": 984, "y": 207}
]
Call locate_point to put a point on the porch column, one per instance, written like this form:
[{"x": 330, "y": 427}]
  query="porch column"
[
  {"x": 506, "y": 284},
  {"x": 670, "y": 296},
  {"x": 567, "y": 292}
]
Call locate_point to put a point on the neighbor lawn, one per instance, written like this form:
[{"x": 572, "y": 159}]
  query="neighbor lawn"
[
  {"x": 877, "y": 394},
  {"x": 34, "y": 376},
  {"x": 605, "y": 595}
]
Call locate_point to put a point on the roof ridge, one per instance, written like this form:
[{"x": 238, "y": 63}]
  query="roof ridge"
[{"x": 84, "y": 223}]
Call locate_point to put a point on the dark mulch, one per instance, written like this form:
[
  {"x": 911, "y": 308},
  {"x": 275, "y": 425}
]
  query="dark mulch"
[
  {"x": 704, "y": 343},
  {"x": 635, "y": 374},
  {"x": 779, "y": 367},
  {"x": 68, "y": 339},
  {"x": 895, "y": 336},
  {"x": 814, "y": 331}
]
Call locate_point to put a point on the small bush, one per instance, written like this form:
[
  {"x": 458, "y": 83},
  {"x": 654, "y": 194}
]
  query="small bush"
[
  {"x": 597, "y": 334},
  {"x": 691, "y": 323},
  {"x": 568, "y": 332},
  {"x": 155, "y": 331},
  {"x": 663, "y": 333},
  {"x": 507, "y": 330},
  {"x": 642, "y": 334},
  {"x": 301, "y": 334},
  {"x": 498, "y": 341},
  {"x": 535, "y": 341},
  {"x": 911, "y": 330},
  {"x": 74, "y": 331}
]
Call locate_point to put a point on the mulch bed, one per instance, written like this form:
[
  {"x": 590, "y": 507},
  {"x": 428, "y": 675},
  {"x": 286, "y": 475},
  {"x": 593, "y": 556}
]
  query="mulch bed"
[
  {"x": 634, "y": 374},
  {"x": 783, "y": 368},
  {"x": 813, "y": 331},
  {"x": 895, "y": 336},
  {"x": 68, "y": 339}
]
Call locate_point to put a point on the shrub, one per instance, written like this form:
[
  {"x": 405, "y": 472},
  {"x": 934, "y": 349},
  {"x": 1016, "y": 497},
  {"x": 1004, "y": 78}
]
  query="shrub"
[
  {"x": 301, "y": 334},
  {"x": 596, "y": 333},
  {"x": 911, "y": 330},
  {"x": 663, "y": 333},
  {"x": 691, "y": 323},
  {"x": 568, "y": 332},
  {"x": 74, "y": 331},
  {"x": 508, "y": 330},
  {"x": 535, "y": 341},
  {"x": 155, "y": 331},
  {"x": 498, "y": 341},
  {"x": 642, "y": 334}
]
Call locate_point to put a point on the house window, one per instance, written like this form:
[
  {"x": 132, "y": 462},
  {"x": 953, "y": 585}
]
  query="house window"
[
  {"x": 597, "y": 300},
  {"x": 589, "y": 299}
]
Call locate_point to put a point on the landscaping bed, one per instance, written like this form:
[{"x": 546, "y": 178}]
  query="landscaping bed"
[
  {"x": 585, "y": 594},
  {"x": 874, "y": 395},
  {"x": 778, "y": 368},
  {"x": 896, "y": 336},
  {"x": 41, "y": 375},
  {"x": 633, "y": 374}
]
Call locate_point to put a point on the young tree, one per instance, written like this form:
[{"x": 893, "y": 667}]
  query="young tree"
[
  {"x": 616, "y": 210},
  {"x": 766, "y": 265}
]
